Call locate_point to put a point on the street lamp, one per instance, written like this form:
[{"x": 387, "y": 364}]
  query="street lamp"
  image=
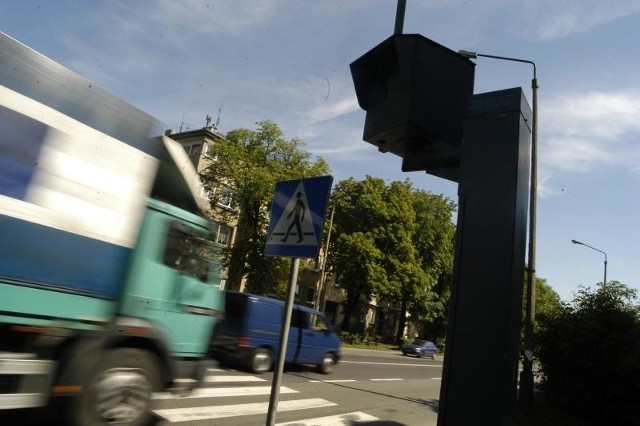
[
  {"x": 604, "y": 283},
  {"x": 322, "y": 281},
  {"x": 526, "y": 395}
]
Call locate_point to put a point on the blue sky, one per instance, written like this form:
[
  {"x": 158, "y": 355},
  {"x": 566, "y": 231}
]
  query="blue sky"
[{"x": 288, "y": 61}]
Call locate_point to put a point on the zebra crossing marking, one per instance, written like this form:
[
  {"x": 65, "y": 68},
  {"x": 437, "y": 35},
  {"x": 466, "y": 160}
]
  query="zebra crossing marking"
[
  {"x": 338, "y": 419},
  {"x": 222, "y": 392},
  {"x": 228, "y": 379},
  {"x": 176, "y": 415}
]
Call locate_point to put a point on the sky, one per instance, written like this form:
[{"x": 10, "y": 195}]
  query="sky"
[{"x": 245, "y": 61}]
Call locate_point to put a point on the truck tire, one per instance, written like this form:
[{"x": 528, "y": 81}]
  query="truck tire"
[
  {"x": 261, "y": 360},
  {"x": 328, "y": 363},
  {"x": 119, "y": 390}
]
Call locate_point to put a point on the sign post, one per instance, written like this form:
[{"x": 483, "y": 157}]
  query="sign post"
[{"x": 295, "y": 230}]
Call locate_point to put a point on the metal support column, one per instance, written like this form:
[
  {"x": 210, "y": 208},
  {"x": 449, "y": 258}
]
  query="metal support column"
[{"x": 481, "y": 359}]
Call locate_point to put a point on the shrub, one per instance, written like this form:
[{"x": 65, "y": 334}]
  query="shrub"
[
  {"x": 350, "y": 338},
  {"x": 590, "y": 356}
]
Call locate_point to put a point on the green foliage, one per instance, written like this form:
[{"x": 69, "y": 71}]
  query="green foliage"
[
  {"x": 250, "y": 162},
  {"x": 548, "y": 305},
  {"x": 589, "y": 352},
  {"x": 434, "y": 240},
  {"x": 353, "y": 339},
  {"x": 394, "y": 242}
]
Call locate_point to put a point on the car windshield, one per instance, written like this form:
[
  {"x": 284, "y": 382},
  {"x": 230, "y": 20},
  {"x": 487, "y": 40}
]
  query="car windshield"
[{"x": 419, "y": 342}]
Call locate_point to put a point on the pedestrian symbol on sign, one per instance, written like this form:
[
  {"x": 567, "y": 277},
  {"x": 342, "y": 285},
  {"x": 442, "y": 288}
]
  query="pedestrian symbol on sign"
[
  {"x": 298, "y": 216},
  {"x": 294, "y": 226}
]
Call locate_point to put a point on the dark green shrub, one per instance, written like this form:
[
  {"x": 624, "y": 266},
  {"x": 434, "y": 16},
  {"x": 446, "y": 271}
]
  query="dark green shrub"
[
  {"x": 590, "y": 356},
  {"x": 350, "y": 338}
]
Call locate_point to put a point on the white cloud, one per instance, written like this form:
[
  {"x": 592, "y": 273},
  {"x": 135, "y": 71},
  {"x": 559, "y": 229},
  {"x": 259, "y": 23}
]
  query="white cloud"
[
  {"x": 552, "y": 19},
  {"x": 333, "y": 110},
  {"x": 591, "y": 131},
  {"x": 180, "y": 18}
]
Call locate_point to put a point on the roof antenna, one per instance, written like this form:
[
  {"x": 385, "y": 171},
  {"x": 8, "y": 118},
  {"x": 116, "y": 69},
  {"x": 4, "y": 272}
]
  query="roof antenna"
[
  {"x": 181, "y": 123},
  {"x": 218, "y": 118}
]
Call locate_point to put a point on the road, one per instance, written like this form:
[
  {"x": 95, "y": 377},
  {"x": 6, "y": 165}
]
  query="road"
[{"x": 366, "y": 386}]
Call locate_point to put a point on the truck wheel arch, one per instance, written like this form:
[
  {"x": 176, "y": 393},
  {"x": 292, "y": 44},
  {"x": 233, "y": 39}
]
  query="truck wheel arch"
[{"x": 79, "y": 356}]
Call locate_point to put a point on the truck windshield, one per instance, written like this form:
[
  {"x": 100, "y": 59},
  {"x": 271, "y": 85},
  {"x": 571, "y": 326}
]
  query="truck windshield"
[{"x": 190, "y": 251}]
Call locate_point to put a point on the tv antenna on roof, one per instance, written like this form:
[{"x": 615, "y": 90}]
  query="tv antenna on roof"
[{"x": 218, "y": 118}]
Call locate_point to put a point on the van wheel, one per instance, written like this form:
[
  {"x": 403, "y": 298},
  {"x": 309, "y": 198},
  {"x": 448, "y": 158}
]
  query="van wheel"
[
  {"x": 328, "y": 364},
  {"x": 261, "y": 360}
]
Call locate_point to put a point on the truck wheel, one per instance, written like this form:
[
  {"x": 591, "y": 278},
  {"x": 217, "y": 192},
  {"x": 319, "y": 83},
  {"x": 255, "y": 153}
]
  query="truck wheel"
[
  {"x": 328, "y": 363},
  {"x": 120, "y": 389},
  {"x": 261, "y": 360}
]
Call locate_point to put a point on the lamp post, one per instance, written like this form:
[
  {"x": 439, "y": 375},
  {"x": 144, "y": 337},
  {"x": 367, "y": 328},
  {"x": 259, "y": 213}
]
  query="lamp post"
[
  {"x": 604, "y": 283},
  {"x": 322, "y": 282},
  {"x": 526, "y": 378}
]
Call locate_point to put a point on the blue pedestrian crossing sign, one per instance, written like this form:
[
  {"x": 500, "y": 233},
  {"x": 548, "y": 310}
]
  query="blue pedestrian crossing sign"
[{"x": 297, "y": 217}]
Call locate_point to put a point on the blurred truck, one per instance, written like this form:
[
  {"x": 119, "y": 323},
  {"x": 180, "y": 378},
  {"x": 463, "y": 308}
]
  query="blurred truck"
[{"x": 109, "y": 274}]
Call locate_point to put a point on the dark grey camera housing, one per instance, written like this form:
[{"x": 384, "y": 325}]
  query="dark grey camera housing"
[{"x": 415, "y": 92}]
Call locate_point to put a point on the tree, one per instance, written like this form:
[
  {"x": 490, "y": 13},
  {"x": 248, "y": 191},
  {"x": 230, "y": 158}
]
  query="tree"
[
  {"x": 434, "y": 240},
  {"x": 590, "y": 355},
  {"x": 354, "y": 255},
  {"x": 548, "y": 305},
  {"x": 390, "y": 242},
  {"x": 249, "y": 163}
]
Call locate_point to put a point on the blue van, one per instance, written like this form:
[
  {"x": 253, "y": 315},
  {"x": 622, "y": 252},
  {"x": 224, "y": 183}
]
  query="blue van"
[{"x": 250, "y": 331}]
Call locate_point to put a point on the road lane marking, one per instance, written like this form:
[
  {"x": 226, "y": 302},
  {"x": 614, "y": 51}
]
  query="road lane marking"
[
  {"x": 191, "y": 414},
  {"x": 332, "y": 381},
  {"x": 222, "y": 392},
  {"x": 339, "y": 419},
  {"x": 386, "y": 380},
  {"x": 390, "y": 363},
  {"x": 227, "y": 379}
]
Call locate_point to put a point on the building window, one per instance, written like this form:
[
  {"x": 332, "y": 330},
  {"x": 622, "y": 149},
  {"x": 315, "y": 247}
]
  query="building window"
[
  {"x": 203, "y": 192},
  {"x": 194, "y": 149},
  {"x": 311, "y": 293},
  {"x": 222, "y": 234},
  {"x": 225, "y": 197}
]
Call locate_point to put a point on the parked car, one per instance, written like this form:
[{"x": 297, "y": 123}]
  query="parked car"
[
  {"x": 420, "y": 348},
  {"x": 250, "y": 331}
]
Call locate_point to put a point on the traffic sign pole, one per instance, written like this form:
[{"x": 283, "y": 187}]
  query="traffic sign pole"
[
  {"x": 298, "y": 209},
  {"x": 284, "y": 338}
]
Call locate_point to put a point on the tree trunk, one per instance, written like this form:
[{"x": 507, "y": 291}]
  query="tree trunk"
[
  {"x": 238, "y": 260},
  {"x": 352, "y": 304},
  {"x": 402, "y": 320}
]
